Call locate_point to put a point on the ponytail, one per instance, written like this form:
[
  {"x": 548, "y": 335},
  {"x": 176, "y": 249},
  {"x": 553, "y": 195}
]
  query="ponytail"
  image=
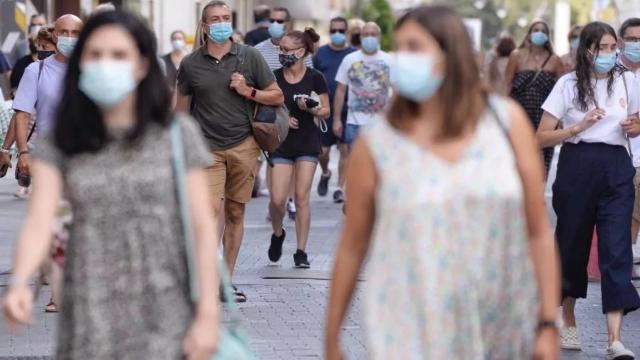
[{"x": 308, "y": 39}]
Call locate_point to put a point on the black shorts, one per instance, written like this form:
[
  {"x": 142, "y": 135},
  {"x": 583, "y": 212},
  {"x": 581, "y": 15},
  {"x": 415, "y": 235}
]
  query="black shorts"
[{"x": 329, "y": 139}]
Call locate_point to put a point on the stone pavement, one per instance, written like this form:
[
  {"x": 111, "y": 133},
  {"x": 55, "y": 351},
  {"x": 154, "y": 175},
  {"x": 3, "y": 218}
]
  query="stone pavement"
[{"x": 286, "y": 309}]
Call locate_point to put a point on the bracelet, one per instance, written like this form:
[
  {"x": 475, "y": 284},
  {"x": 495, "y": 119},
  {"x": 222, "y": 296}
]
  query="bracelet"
[
  {"x": 253, "y": 93},
  {"x": 547, "y": 324},
  {"x": 5, "y": 151},
  {"x": 573, "y": 131},
  {"x": 23, "y": 152}
]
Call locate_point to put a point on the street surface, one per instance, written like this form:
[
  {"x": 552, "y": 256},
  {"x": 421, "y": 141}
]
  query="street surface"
[{"x": 285, "y": 312}]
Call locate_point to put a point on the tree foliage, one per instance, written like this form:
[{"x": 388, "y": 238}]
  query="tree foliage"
[{"x": 380, "y": 12}]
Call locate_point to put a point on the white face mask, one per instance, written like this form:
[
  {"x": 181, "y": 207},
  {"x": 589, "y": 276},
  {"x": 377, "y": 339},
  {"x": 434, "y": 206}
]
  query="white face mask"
[
  {"x": 177, "y": 44},
  {"x": 107, "y": 82}
]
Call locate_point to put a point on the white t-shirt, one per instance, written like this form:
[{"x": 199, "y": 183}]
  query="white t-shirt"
[
  {"x": 635, "y": 142},
  {"x": 369, "y": 80},
  {"x": 561, "y": 104}
]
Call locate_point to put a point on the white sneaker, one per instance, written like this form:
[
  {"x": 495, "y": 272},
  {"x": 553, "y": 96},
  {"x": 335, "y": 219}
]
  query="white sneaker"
[
  {"x": 617, "y": 351},
  {"x": 569, "y": 339}
]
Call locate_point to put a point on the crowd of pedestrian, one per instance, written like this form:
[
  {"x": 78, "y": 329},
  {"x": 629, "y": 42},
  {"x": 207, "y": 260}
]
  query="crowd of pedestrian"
[{"x": 441, "y": 177}]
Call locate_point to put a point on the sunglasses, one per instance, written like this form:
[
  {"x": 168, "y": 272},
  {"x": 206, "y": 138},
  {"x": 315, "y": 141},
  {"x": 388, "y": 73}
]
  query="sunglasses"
[
  {"x": 277, "y": 21},
  {"x": 341, "y": 31}
]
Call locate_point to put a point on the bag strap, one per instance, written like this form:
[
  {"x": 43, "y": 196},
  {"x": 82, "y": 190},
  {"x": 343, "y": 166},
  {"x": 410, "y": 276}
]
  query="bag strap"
[
  {"x": 40, "y": 67},
  {"x": 180, "y": 172},
  {"x": 240, "y": 54},
  {"x": 535, "y": 77},
  {"x": 626, "y": 91},
  {"x": 240, "y": 57}
]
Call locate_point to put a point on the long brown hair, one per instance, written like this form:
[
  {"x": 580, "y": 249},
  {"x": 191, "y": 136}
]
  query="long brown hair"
[
  {"x": 527, "y": 39},
  {"x": 461, "y": 94}
]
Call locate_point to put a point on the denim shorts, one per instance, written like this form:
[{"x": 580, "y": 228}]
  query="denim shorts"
[
  {"x": 290, "y": 160},
  {"x": 351, "y": 132}
]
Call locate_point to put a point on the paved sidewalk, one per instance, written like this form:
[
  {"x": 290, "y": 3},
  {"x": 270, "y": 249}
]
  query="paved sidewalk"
[{"x": 286, "y": 309}]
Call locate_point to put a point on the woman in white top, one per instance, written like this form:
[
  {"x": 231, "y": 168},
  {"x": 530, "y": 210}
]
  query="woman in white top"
[{"x": 598, "y": 106}]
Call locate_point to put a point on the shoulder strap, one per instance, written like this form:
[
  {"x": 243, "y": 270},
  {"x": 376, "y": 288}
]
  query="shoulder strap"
[
  {"x": 40, "y": 67},
  {"x": 533, "y": 80},
  {"x": 239, "y": 57},
  {"x": 180, "y": 171},
  {"x": 496, "y": 115},
  {"x": 626, "y": 91}
]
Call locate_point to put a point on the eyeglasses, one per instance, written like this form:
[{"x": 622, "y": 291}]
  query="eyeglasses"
[
  {"x": 341, "y": 31},
  {"x": 277, "y": 21},
  {"x": 287, "y": 51}
]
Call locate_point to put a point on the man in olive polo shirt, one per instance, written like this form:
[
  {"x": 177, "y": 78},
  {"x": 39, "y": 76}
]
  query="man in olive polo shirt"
[{"x": 218, "y": 98}]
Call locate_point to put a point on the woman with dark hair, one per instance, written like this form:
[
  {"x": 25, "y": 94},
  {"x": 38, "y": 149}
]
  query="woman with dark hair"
[
  {"x": 531, "y": 73},
  {"x": 126, "y": 288},
  {"x": 498, "y": 64},
  {"x": 307, "y": 98},
  {"x": 447, "y": 195},
  {"x": 597, "y": 106},
  {"x": 173, "y": 59}
]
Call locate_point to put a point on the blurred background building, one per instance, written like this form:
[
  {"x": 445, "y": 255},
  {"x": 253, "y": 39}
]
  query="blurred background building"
[{"x": 486, "y": 19}]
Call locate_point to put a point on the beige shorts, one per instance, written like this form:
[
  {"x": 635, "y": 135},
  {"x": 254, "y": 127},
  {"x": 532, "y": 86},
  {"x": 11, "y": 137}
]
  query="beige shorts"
[
  {"x": 234, "y": 171},
  {"x": 636, "y": 204}
]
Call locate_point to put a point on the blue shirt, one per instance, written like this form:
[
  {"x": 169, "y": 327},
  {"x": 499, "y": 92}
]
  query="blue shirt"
[{"x": 328, "y": 60}]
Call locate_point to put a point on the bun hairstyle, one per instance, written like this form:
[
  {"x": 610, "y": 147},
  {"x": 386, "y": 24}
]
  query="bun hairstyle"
[{"x": 306, "y": 38}]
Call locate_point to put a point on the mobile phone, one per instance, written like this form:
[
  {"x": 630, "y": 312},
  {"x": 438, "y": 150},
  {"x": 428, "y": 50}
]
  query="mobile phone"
[{"x": 311, "y": 103}]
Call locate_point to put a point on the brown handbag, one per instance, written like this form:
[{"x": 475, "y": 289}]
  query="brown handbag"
[{"x": 269, "y": 124}]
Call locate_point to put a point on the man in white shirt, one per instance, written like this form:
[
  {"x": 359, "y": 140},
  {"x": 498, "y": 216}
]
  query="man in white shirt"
[
  {"x": 367, "y": 74},
  {"x": 629, "y": 44}
]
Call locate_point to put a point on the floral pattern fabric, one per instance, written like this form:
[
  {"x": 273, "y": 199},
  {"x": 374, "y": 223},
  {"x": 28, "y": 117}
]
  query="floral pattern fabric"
[{"x": 449, "y": 275}]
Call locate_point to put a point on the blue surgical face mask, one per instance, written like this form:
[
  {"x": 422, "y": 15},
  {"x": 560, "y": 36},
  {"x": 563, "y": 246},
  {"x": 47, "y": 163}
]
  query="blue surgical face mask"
[
  {"x": 66, "y": 45},
  {"x": 220, "y": 32},
  {"x": 276, "y": 30},
  {"x": 414, "y": 76},
  {"x": 338, "y": 39},
  {"x": 539, "y": 38},
  {"x": 632, "y": 51},
  {"x": 370, "y": 44},
  {"x": 107, "y": 82},
  {"x": 603, "y": 63},
  {"x": 574, "y": 43}
]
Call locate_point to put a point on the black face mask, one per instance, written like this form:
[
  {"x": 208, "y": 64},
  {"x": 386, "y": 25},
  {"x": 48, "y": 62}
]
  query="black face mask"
[
  {"x": 287, "y": 60},
  {"x": 33, "y": 49},
  {"x": 355, "y": 40},
  {"x": 44, "y": 54}
]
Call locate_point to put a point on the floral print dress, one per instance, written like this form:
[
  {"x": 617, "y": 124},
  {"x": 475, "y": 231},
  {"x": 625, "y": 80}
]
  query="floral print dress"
[{"x": 449, "y": 275}]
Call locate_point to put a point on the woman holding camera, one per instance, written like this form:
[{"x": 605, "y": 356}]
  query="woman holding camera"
[{"x": 298, "y": 154}]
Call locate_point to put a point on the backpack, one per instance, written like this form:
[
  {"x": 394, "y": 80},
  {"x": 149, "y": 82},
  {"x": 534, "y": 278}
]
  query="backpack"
[{"x": 269, "y": 124}]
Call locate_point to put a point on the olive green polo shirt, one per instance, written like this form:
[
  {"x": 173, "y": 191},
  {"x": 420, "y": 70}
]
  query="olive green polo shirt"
[{"x": 223, "y": 114}]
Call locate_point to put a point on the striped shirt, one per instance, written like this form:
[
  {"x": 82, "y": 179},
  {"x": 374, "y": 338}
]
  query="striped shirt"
[{"x": 271, "y": 54}]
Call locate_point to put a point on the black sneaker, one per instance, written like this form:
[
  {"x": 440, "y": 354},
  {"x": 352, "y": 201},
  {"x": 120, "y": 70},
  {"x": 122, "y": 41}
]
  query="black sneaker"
[
  {"x": 323, "y": 185},
  {"x": 338, "y": 197},
  {"x": 300, "y": 259},
  {"x": 275, "y": 250}
]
